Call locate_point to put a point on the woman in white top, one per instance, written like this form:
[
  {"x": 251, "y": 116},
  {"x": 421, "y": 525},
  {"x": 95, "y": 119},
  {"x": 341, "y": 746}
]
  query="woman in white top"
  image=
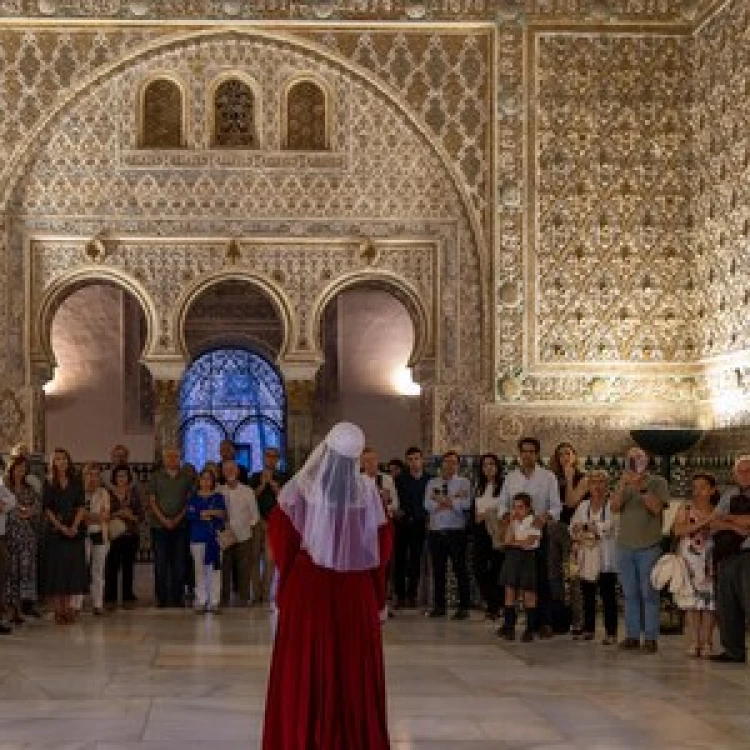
[
  {"x": 488, "y": 554},
  {"x": 593, "y": 532},
  {"x": 97, "y": 539}
]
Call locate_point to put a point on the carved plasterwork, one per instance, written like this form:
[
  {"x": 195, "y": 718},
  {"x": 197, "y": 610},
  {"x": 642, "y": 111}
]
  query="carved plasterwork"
[
  {"x": 299, "y": 277},
  {"x": 446, "y": 78},
  {"x": 721, "y": 272},
  {"x": 597, "y": 296},
  {"x": 720, "y": 277},
  {"x": 394, "y": 195},
  {"x": 11, "y": 417},
  {"x": 604, "y": 159},
  {"x": 332, "y": 10},
  {"x": 608, "y": 248}
]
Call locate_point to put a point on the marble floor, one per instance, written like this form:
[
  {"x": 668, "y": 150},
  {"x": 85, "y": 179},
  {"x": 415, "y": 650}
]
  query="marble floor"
[{"x": 156, "y": 680}]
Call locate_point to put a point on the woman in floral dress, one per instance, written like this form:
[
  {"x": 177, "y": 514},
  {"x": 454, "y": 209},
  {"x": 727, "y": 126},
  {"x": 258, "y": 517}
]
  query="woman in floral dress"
[
  {"x": 691, "y": 526},
  {"x": 23, "y": 534}
]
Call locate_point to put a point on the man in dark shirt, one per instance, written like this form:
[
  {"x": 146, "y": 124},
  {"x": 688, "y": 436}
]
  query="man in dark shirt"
[
  {"x": 410, "y": 521},
  {"x": 266, "y": 484}
]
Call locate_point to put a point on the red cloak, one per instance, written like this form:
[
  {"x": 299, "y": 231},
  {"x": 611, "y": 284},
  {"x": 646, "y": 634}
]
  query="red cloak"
[{"x": 326, "y": 690}]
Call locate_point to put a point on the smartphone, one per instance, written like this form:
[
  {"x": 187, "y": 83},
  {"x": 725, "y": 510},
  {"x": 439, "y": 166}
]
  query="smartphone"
[{"x": 633, "y": 464}]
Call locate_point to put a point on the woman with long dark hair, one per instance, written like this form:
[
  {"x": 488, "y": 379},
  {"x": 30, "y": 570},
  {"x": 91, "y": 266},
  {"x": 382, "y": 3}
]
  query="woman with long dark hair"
[
  {"x": 573, "y": 485},
  {"x": 488, "y": 553},
  {"x": 65, "y": 512}
]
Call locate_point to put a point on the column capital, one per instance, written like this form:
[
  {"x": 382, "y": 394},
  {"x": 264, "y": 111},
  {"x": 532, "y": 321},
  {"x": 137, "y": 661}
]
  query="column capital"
[
  {"x": 299, "y": 368},
  {"x": 166, "y": 366}
]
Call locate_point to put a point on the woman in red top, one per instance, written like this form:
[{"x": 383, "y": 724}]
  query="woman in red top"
[{"x": 331, "y": 542}]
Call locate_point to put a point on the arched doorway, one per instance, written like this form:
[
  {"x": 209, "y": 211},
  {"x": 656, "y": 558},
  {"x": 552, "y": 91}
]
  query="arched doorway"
[
  {"x": 368, "y": 337},
  {"x": 101, "y": 394},
  {"x": 233, "y": 394},
  {"x": 232, "y": 390}
]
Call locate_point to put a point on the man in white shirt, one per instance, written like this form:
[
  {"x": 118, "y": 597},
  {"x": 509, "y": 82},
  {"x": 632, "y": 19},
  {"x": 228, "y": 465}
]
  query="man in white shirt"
[
  {"x": 242, "y": 509},
  {"x": 542, "y": 486},
  {"x": 7, "y": 503}
]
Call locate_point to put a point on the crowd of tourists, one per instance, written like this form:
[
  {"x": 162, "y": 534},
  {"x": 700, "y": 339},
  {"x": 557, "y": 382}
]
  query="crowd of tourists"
[
  {"x": 546, "y": 542},
  {"x": 74, "y": 536}
]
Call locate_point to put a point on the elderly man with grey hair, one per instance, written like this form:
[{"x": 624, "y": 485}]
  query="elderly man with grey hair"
[{"x": 733, "y": 580}]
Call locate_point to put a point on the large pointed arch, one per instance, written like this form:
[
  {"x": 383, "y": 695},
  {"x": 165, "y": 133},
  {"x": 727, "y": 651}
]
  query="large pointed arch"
[{"x": 36, "y": 137}]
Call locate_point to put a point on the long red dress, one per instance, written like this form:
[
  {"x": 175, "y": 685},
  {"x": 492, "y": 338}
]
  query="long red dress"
[{"x": 327, "y": 685}]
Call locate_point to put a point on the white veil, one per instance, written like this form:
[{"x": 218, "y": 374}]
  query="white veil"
[{"x": 336, "y": 510}]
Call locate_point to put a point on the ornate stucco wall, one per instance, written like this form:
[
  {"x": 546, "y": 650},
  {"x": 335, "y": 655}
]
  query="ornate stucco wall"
[
  {"x": 721, "y": 208},
  {"x": 558, "y": 187},
  {"x": 387, "y": 205}
]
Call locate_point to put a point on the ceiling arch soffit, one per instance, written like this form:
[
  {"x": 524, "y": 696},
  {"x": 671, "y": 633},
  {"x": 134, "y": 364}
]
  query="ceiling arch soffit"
[
  {"x": 63, "y": 286},
  {"x": 396, "y": 286},
  {"x": 283, "y": 306}
]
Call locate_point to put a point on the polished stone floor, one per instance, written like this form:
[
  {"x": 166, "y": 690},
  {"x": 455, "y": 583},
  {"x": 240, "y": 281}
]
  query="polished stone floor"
[{"x": 156, "y": 680}]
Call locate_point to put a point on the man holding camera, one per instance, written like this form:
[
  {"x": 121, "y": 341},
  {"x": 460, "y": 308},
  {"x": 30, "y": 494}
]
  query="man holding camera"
[
  {"x": 640, "y": 499},
  {"x": 447, "y": 502}
]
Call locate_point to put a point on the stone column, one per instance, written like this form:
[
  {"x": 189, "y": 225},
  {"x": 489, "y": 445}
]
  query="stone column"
[
  {"x": 300, "y": 395},
  {"x": 31, "y": 398},
  {"x": 167, "y": 373},
  {"x": 425, "y": 374},
  {"x": 300, "y": 383}
]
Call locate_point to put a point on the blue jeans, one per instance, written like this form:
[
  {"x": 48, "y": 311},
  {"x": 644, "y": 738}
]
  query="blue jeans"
[{"x": 641, "y": 598}]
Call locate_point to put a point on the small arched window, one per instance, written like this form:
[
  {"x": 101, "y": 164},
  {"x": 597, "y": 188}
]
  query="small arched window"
[
  {"x": 162, "y": 115},
  {"x": 234, "y": 115},
  {"x": 306, "y": 117}
]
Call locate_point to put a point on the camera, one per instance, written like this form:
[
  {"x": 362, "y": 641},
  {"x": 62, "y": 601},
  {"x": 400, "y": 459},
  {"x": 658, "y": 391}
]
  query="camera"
[{"x": 633, "y": 464}]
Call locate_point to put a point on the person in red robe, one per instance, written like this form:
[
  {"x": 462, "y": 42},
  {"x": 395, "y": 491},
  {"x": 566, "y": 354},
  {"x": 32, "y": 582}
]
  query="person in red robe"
[{"x": 331, "y": 542}]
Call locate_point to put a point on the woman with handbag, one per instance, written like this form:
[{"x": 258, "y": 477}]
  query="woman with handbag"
[
  {"x": 65, "y": 513},
  {"x": 593, "y": 532},
  {"x": 97, "y": 519},
  {"x": 126, "y": 514}
]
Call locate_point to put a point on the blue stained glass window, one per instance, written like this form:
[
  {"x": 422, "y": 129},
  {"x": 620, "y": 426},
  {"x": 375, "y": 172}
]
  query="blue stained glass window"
[{"x": 231, "y": 394}]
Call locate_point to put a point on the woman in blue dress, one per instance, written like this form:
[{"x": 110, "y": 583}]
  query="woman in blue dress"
[{"x": 206, "y": 514}]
